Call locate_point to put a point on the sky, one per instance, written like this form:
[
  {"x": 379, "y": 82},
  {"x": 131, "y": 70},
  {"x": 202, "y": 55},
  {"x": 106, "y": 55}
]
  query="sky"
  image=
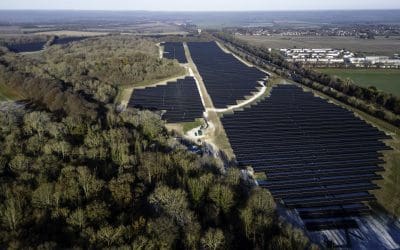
[{"x": 200, "y": 5}]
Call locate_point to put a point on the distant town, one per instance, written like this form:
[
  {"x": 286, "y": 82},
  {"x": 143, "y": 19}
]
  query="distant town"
[
  {"x": 359, "y": 31},
  {"x": 360, "y": 45}
]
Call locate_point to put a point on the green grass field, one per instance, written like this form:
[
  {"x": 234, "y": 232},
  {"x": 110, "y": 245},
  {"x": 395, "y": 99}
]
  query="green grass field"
[
  {"x": 187, "y": 126},
  {"x": 387, "y": 80}
]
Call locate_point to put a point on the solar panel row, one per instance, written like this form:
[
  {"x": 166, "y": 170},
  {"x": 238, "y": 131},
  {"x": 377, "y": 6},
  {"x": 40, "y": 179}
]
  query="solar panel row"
[
  {"x": 66, "y": 40},
  {"x": 175, "y": 50},
  {"x": 227, "y": 79},
  {"x": 318, "y": 157},
  {"x": 180, "y": 100}
]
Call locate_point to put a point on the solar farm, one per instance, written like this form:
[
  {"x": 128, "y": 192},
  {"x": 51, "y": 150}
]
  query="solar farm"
[
  {"x": 26, "y": 47},
  {"x": 180, "y": 100},
  {"x": 175, "y": 50},
  {"x": 37, "y": 46},
  {"x": 226, "y": 78},
  {"x": 318, "y": 157},
  {"x": 66, "y": 40}
]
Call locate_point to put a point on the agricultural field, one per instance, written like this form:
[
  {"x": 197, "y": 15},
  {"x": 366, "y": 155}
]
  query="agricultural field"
[
  {"x": 73, "y": 33},
  {"x": 378, "y": 46},
  {"x": 146, "y": 28},
  {"x": 141, "y": 28},
  {"x": 318, "y": 158},
  {"x": 95, "y": 29},
  {"x": 387, "y": 80},
  {"x": 227, "y": 79}
]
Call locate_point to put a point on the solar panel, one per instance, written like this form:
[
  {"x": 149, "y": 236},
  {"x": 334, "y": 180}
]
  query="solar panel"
[
  {"x": 175, "y": 50},
  {"x": 180, "y": 100},
  {"x": 316, "y": 155},
  {"x": 226, "y": 78}
]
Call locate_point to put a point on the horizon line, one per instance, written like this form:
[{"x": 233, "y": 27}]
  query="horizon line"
[{"x": 275, "y": 10}]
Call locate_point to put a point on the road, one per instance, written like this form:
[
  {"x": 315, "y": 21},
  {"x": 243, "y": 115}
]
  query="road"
[{"x": 215, "y": 134}]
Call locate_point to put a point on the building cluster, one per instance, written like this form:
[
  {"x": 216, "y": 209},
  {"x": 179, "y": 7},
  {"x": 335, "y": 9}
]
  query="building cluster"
[
  {"x": 317, "y": 56},
  {"x": 359, "y": 31},
  {"x": 329, "y": 56},
  {"x": 384, "y": 61}
]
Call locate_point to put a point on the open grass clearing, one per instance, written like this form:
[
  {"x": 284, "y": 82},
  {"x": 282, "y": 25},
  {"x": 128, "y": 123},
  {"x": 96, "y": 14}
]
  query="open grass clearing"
[
  {"x": 387, "y": 80},
  {"x": 7, "y": 94},
  {"x": 187, "y": 126},
  {"x": 260, "y": 176}
]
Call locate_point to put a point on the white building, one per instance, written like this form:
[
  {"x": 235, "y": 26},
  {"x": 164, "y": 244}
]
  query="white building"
[{"x": 321, "y": 56}]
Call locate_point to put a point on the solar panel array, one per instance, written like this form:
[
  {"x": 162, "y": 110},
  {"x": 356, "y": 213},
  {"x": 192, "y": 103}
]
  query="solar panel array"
[
  {"x": 66, "y": 40},
  {"x": 226, "y": 78},
  {"x": 318, "y": 157},
  {"x": 37, "y": 46},
  {"x": 180, "y": 100},
  {"x": 26, "y": 47},
  {"x": 175, "y": 51}
]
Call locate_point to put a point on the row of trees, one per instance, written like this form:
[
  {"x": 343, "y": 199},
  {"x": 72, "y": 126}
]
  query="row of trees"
[{"x": 377, "y": 103}]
